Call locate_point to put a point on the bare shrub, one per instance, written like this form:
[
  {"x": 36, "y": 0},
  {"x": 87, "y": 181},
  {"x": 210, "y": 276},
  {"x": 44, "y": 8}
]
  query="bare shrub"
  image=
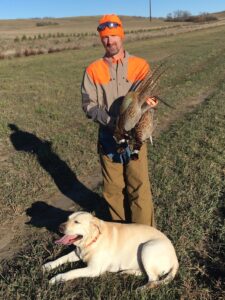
[
  {"x": 33, "y": 52},
  {"x": 18, "y": 54},
  {"x": 17, "y": 39},
  {"x": 204, "y": 17},
  {"x": 178, "y": 16},
  {"x": 43, "y": 23},
  {"x": 24, "y": 38},
  {"x": 75, "y": 47},
  {"x": 26, "y": 52},
  {"x": 41, "y": 51},
  {"x": 185, "y": 16},
  {"x": 51, "y": 50}
]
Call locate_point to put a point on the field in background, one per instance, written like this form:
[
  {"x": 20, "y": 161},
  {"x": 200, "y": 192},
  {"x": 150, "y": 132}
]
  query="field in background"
[
  {"x": 39, "y": 36},
  {"x": 46, "y": 143}
]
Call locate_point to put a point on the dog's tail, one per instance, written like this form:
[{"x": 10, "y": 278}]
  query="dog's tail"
[{"x": 164, "y": 279}]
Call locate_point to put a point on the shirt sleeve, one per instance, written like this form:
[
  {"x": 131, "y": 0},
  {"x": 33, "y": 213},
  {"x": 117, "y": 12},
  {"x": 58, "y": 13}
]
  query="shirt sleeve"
[{"x": 90, "y": 102}]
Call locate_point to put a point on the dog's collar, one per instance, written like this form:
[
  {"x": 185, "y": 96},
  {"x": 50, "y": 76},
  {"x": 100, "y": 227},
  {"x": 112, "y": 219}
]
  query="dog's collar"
[{"x": 94, "y": 240}]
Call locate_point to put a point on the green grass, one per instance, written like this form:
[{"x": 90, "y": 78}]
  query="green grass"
[
  {"x": 41, "y": 96},
  {"x": 188, "y": 182},
  {"x": 187, "y": 166}
]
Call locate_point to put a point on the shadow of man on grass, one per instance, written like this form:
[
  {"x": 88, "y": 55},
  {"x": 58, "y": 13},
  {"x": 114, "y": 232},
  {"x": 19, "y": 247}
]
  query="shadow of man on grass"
[
  {"x": 64, "y": 178},
  {"x": 44, "y": 215}
]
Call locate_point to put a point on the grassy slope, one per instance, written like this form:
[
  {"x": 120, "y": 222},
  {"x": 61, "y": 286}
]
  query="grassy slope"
[
  {"x": 76, "y": 24},
  {"x": 13, "y": 28},
  {"x": 23, "y": 37},
  {"x": 41, "y": 96}
]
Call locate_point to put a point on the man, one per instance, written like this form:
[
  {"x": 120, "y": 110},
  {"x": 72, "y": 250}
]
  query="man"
[{"x": 126, "y": 186}]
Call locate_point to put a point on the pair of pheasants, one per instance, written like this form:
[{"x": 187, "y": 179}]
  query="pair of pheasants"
[{"x": 136, "y": 121}]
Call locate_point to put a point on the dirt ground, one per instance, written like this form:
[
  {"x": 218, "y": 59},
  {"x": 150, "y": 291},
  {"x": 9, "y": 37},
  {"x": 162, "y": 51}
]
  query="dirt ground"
[{"x": 15, "y": 232}]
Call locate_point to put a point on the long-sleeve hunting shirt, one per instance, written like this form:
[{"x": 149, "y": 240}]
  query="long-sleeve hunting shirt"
[{"x": 104, "y": 86}]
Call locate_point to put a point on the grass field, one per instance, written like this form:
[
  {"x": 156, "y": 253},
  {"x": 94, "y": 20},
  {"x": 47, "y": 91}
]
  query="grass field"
[{"x": 46, "y": 142}]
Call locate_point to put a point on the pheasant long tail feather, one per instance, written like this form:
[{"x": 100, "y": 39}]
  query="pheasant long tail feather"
[
  {"x": 148, "y": 77},
  {"x": 147, "y": 87},
  {"x": 164, "y": 102},
  {"x": 154, "y": 83}
]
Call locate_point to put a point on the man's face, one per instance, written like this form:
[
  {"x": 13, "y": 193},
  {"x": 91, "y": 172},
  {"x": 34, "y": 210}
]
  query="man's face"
[{"x": 112, "y": 44}]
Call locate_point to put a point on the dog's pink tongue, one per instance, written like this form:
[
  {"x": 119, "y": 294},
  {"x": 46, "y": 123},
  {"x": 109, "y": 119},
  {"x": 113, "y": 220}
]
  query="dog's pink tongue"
[{"x": 65, "y": 240}]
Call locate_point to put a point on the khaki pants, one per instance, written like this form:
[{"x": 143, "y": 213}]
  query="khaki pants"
[{"x": 126, "y": 188}]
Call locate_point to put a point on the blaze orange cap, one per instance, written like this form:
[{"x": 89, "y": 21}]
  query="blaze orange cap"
[{"x": 111, "y": 31}]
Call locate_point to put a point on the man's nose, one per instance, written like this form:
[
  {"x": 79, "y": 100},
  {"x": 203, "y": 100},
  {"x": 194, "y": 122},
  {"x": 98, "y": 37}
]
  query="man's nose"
[{"x": 110, "y": 40}]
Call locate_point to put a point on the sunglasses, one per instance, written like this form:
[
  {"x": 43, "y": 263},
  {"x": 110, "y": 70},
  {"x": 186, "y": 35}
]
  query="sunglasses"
[{"x": 103, "y": 26}]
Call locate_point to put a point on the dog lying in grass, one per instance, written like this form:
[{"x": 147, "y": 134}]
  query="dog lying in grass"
[{"x": 114, "y": 247}]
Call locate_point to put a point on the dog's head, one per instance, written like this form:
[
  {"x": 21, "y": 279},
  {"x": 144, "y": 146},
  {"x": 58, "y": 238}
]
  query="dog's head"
[{"x": 80, "y": 228}]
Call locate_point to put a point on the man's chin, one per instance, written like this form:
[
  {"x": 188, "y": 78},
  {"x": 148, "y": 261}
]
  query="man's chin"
[{"x": 112, "y": 52}]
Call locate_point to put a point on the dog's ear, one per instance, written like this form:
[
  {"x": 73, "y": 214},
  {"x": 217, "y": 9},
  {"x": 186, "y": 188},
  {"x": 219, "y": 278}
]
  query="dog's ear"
[{"x": 97, "y": 223}]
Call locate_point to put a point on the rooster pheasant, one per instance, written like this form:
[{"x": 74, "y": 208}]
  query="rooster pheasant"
[{"x": 136, "y": 121}]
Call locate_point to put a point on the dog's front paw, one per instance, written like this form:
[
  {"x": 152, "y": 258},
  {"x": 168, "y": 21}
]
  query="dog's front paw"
[
  {"x": 47, "y": 267},
  {"x": 56, "y": 279}
]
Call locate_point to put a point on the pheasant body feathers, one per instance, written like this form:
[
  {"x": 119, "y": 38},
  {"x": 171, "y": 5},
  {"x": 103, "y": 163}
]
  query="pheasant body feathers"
[{"x": 136, "y": 121}]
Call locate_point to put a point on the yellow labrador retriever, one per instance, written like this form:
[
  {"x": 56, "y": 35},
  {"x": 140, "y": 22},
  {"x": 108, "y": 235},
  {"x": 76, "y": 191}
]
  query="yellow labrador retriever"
[{"x": 115, "y": 247}]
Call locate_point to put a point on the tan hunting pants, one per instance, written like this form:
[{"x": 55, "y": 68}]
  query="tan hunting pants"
[{"x": 126, "y": 188}]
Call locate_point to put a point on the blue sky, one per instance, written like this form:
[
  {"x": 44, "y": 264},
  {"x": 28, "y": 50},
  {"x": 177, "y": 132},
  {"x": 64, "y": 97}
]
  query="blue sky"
[{"x": 14, "y": 9}]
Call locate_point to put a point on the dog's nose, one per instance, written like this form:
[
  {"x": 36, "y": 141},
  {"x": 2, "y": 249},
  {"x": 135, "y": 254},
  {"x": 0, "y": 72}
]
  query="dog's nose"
[{"x": 62, "y": 227}]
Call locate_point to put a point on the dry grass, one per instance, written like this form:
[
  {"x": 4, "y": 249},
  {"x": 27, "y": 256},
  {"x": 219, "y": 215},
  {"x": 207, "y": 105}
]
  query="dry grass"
[{"x": 19, "y": 37}]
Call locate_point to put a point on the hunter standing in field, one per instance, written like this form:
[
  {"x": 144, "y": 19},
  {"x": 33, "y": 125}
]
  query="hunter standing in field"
[{"x": 126, "y": 186}]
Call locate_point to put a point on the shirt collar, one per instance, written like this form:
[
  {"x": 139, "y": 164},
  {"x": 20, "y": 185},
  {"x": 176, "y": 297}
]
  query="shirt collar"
[{"x": 111, "y": 60}]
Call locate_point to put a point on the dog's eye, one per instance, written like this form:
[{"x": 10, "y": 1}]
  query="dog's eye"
[{"x": 76, "y": 222}]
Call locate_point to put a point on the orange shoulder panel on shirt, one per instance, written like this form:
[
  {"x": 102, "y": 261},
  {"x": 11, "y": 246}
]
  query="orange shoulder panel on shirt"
[
  {"x": 137, "y": 68},
  {"x": 99, "y": 72}
]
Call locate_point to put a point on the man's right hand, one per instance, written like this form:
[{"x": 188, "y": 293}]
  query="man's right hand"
[{"x": 152, "y": 102}]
